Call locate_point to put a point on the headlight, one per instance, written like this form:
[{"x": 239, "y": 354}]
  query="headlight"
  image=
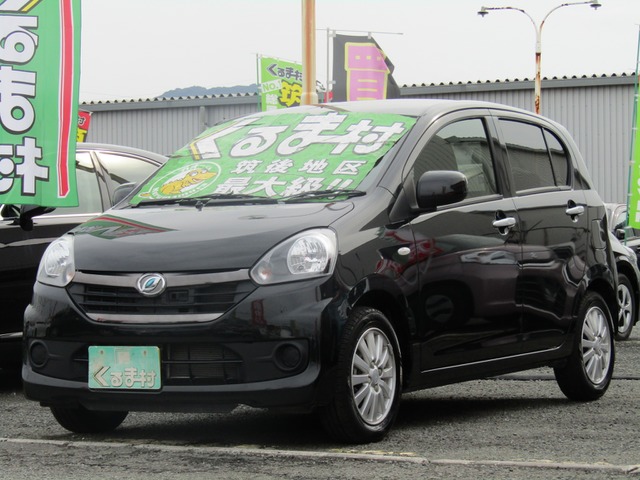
[
  {"x": 57, "y": 266},
  {"x": 308, "y": 254}
]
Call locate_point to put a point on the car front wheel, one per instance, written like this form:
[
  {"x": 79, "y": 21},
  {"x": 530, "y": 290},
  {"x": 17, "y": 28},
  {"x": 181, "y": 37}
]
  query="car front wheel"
[
  {"x": 368, "y": 382},
  {"x": 81, "y": 420},
  {"x": 588, "y": 371}
]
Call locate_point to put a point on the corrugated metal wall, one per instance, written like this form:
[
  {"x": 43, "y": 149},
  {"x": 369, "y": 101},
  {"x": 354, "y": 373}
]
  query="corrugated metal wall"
[
  {"x": 162, "y": 126},
  {"x": 598, "y": 111}
]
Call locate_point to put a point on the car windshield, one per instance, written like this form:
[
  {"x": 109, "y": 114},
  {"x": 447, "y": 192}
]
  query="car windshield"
[{"x": 277, "y": 156}]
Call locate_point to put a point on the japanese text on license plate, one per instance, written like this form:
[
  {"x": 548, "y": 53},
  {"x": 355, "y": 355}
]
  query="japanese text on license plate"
[{"x": 131, "y": 368}]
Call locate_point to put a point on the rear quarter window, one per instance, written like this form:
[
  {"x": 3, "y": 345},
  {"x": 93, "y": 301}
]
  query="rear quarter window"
[{"x": 125, "y": 168}]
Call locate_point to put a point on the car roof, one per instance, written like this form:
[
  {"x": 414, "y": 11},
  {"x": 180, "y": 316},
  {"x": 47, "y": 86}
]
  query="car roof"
[
  {"x": 415, "y": 107},
  {"x": 107, "y": 147}
]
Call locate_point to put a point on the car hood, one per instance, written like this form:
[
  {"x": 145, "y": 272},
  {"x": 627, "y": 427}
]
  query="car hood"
[{"x": 187, "y": 239}]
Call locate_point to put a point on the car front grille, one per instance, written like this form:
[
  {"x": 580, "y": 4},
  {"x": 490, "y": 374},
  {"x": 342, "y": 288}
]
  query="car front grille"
[
  {"x": 182, "y": 364},
  {"x": 201, "y": 364},
  {"x": 187, "y": 298}
]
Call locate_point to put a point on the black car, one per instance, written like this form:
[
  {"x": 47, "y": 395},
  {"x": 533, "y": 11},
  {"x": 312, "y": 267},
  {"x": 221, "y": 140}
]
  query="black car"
[
  {"x": 329, "y": 258},
  {"x": 628, "y": 235},
  {"x": 626, "y": 243},
  {"x": 628, "y": 288},
  {"x": 100, "y": 170}
]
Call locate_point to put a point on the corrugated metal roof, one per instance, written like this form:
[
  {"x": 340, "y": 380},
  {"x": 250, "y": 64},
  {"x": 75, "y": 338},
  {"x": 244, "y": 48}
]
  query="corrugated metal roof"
[{"x": 550, "y": 82}]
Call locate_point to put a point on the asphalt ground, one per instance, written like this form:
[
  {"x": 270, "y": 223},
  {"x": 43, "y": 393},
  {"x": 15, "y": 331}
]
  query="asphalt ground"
[{"x": 512, "y": 427}]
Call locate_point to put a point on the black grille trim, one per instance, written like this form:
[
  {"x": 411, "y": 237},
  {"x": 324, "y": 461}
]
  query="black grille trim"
[{"x": 201, "y": 364}]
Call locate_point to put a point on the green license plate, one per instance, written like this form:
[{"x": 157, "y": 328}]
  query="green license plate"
[{"x": 126, "y": 368}]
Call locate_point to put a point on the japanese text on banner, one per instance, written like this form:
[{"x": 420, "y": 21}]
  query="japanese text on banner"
[{"x": 39, "y": 82}]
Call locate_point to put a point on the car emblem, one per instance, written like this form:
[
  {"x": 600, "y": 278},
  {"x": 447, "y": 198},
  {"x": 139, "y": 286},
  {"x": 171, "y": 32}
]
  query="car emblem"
[{"x": 151, "y": 284}]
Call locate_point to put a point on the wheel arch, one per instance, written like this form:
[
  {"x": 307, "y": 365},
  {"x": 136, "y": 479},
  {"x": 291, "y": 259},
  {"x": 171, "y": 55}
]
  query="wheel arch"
[
  {"x": 384, "y": 295},
  {"x": 631, "y": 273},
  {"x": 604, "y": 289}
]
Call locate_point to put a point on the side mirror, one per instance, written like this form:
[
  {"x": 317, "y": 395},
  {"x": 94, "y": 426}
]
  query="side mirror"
[
  {"x": 620, "y": 233},
  {"x": 121, "y": 192},
  {"x": 27, "y": 212},
  {"x": 441, "y": 187}
]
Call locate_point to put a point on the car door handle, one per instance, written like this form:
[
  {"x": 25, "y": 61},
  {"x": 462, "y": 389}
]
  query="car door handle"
[
  {"x": 504, "y": 224},
  {"x": 575, "y": 210}
]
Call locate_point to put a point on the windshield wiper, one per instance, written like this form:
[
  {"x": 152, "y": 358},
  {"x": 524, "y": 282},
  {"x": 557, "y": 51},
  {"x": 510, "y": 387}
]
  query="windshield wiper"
[
  {"x": 243, "y": 199},
  {"x": 338, "y": 192},
  {"x": 232, "y": 198},
  {"x": 162, "y": 201},
  {"x": 204, "y": 200}
]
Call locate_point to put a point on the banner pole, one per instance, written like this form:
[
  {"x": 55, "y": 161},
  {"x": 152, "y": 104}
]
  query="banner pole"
[
  {"x": 309, "y": 95},
  {"x": 327, "y": 97}
]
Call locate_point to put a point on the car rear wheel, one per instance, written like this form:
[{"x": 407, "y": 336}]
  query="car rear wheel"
[
  {"x": 368, "y": 381},
  {"x": 626, "y": 307},
  {"x": 81, "y": 420},
  {"x": 588, "y": 371}
]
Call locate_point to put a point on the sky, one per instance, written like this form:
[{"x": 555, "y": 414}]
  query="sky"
[{"x": 138, "y": 49}]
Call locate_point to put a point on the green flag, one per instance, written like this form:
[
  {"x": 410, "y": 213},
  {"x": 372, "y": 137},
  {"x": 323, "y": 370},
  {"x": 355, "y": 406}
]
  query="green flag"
[
  {"x": 39, "y": 83},
  {"x": 633, "y": 218},
  {"x": 280, "y": 83},
  {"x": 634, "y": 194}
]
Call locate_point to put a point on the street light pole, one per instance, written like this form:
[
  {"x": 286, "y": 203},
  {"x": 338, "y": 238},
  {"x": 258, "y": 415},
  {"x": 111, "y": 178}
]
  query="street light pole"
[{"x": 595, "y": 4}]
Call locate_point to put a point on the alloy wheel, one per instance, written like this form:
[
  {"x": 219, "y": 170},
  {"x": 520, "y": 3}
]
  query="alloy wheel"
[
  {"x": 625, "y": 308},
  {"x": 373, "y": 376},
  {"x": 596, "y": 345}
]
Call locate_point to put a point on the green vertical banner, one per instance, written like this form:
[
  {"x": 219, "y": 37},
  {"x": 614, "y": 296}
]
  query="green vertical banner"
[
  {"x": 280, "y": 83},
  {"x": 633, "y": 218},
  {"x": 39, "y": 84}
]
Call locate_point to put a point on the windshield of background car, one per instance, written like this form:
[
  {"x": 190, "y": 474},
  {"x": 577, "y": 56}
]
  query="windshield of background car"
[{"x": 278, "y": 156}]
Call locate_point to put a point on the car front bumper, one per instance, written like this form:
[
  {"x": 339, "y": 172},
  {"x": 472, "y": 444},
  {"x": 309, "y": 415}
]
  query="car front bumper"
[{"x": 264, "y": 352}]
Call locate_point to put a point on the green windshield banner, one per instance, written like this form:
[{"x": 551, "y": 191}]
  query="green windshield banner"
[
  {"x": 278, "y": 155},
  {"x": 39, "y": 84},
  {"x": 280, "y": 83}
]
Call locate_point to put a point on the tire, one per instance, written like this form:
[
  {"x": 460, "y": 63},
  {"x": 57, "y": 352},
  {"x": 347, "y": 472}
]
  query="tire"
[
  {"x": 588, "y": 371},
  {"x": 81, "y": 420},
  {"x": 626, "y": 308},
  {"x": 368, "y": 380}
]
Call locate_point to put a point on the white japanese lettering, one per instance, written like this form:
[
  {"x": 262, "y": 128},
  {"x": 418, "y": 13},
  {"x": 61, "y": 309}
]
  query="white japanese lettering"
[
  {"x": 17, "y": 44},
  {"x": 16, "y": 87},
  {"x": 28, "y": 169},
  {"x": 257, "y": 141}
]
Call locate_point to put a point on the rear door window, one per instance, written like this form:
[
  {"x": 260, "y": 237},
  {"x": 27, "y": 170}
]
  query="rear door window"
[{"x": 536, "y": 156}]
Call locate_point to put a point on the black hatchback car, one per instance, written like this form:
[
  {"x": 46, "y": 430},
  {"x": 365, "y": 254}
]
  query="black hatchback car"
[
  {"x": 329, "y": 258},
  {"x": 100, "y": 170}
]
